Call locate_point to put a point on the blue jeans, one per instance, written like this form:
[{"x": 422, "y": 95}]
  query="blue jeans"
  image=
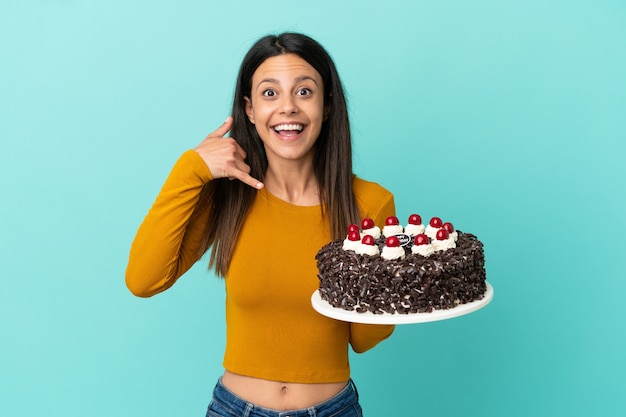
[{"x": 227, "y": 404}]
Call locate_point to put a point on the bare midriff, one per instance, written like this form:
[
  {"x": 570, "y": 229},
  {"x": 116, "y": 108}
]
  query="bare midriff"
[{"x": 280, "y": 395}]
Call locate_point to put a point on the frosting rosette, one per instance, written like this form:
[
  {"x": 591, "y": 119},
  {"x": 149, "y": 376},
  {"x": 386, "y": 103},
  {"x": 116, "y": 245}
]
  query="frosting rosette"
[
  {"x": 372, "y": 231},
  {"x": 414, "y": 226},
  {"x": 443, "y": 240},
  {"x": 424, "y": 250},
  {"x": 369, "y": 228},
  {"x": 431, "y": 231},
  {"x": 392, "y": 249},
  {"x": 364, "y": 249},
  {"x": 450, "y": 229},
  {"x": 444, "y": 244},
  {"x": 392, "y": 227},
  {"x": 392, "y": 230},
  {"x": 390, "y": 253},
  {"x": 414, "y": 229},
  {"x": 352, "y": 241},
  {"x": 367, "y": 246}
]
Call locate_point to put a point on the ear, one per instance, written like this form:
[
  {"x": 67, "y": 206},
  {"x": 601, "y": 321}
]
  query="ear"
[
  {"x": 249, "y": 110},
  {"x": 327, "y": 106}
]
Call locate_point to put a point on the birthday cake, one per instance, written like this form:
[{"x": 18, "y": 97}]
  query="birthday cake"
[{"x": 402, "y": 270}]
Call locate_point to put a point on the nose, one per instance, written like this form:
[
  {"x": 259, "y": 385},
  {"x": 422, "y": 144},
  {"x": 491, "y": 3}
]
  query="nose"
[{"x": 288, "y": 105}]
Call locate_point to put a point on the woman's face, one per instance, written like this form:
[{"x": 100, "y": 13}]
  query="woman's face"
[{"x": 286, "y": 105}]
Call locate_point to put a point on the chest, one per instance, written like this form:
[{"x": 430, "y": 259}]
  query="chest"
[{"x": 273, "y": 264}]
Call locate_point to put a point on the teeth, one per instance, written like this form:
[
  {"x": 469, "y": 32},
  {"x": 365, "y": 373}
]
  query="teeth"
[{"x": 297, "y": 127}]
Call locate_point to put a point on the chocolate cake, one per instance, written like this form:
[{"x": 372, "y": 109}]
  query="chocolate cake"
[{"x": 361, "y": 280}]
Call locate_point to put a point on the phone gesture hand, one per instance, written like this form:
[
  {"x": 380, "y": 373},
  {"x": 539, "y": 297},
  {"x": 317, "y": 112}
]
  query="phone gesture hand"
[{"x": 224, "y": 157}]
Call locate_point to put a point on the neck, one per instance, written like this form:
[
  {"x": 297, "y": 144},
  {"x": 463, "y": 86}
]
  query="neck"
[{"x": 294, "y": 183}]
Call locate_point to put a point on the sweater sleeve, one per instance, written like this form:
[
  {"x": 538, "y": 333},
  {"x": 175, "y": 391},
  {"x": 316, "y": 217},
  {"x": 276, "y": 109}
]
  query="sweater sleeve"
[
  {"x": 365, "y": 336},
  {"x": 170, "y": 238}
]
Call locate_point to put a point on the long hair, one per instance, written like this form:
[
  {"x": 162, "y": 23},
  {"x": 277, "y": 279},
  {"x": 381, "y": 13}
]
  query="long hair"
[{"x": 230, "y": 201}]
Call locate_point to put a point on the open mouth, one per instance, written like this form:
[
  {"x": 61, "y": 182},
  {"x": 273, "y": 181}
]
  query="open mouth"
[{"x": 288, "y": 129}]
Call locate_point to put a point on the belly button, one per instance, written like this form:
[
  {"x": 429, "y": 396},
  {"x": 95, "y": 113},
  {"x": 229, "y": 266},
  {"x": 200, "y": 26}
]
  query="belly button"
[{"x": 284, "y": 389}]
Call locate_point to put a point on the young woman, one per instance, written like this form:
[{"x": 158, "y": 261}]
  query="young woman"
[{"x": 264, "y": 200}]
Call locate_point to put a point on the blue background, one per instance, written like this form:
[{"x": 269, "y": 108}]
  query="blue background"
[{"x": 504, "y": 117}]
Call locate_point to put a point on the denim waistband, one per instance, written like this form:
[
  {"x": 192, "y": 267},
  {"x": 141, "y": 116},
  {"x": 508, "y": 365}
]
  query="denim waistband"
[{"x": 348, "y": 397}]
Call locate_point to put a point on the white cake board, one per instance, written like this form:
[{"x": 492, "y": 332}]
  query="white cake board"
[{"x": 367, "y": 317}]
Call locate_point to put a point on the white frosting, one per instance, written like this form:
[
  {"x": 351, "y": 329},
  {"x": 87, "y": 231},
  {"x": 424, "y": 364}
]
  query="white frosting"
[
  {"x": 390, "y": 253},
  {"x": 424, "y": 250},
  {"x": 444, "y": 244},
  {"x": 414, "y": 229},
  {"x": 392, "y": 230},
  {"x": 364, "y": 249},
  {"x": 373, "y": 232},
  {"x": 350, "y": 244},
  {"x": 454, "y": 236},
  {"x": 431, "y": 232}
]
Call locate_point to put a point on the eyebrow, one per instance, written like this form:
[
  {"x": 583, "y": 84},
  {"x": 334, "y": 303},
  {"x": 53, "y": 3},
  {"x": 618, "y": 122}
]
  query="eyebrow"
[{"x": 297, "y": 80}]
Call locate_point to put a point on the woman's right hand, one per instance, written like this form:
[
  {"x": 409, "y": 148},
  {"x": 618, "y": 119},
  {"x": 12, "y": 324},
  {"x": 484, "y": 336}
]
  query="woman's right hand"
[{"x": 224, "y": 157}]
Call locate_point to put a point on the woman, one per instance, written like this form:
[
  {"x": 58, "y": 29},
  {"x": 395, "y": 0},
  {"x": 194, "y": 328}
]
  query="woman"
[{"x": 264, "y": 200}]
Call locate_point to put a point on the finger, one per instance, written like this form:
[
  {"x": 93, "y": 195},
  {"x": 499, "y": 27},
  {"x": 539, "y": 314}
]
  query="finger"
[
  {"x": 240, "y": 150},
  {"x": 241, "y": 166},
  {"x": 233, "y": 153},
  {"x": 247, "y": 179},
  {"x": 224, "y": 128}
]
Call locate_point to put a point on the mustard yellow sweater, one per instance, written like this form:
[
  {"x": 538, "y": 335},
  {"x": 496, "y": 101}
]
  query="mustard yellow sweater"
[{"x": 272, "y": 331}]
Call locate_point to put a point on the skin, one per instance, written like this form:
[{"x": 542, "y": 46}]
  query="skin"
[
  {"x": 224, "y": 157},
  {"x": 286, "y": 90}
]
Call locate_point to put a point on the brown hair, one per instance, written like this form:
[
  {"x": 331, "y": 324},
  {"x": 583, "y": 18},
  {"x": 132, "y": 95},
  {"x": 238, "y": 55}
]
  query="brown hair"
[{"x": 230, "y": 201}]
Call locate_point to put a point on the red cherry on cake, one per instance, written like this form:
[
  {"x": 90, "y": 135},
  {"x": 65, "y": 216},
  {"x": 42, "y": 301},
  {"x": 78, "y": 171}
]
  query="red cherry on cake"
[
  {"x": 448, "y": 226},
  {"x": 392, "y": 242},
  {"x": 421, "y": 239},
  {"x": 415, "y": 219},
  {"x": 368, "y": 240},
  {"x": 354, "y": 236},
  {"x": 392, "y": 221},
  {"x": 353, "y": 228},
  {"x": 435, "y": 222},
  {"x": 367, "y": 224},
  {"x": 442, "y": 234}
]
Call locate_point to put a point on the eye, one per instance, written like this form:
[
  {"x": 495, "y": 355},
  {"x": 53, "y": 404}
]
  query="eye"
[
  {"x": 304, "y": 92},
  {"x": 269, "y": 93}
]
